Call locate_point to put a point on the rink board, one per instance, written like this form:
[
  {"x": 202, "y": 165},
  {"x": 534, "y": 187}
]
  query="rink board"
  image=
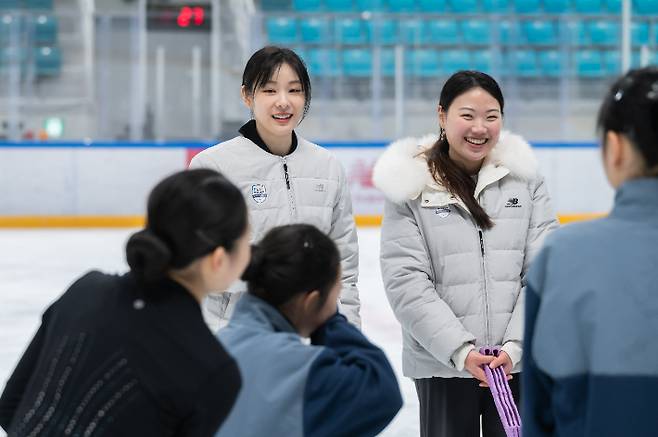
[{"x": 106, "y": 184}]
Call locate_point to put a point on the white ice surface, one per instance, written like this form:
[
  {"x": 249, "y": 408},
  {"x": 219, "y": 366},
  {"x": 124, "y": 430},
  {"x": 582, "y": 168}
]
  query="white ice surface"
[{"x": 36, "y": 266}]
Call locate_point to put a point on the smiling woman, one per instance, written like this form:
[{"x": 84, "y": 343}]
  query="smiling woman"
[
  {"x": 464, "y": 216},
  {"x": 285, "y": 178}
]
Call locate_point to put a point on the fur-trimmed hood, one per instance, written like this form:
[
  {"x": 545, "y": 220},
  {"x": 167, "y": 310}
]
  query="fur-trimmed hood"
[{"x": 401, "y": 173}]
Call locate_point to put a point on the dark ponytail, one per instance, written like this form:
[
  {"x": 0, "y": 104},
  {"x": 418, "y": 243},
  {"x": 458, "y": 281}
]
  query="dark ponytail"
[
  {"x": 291, "y": 260},
  {"x": 444, "y": 170},
  {"x": 189, "y": 214},
  {"x": 631, "y": 108}
]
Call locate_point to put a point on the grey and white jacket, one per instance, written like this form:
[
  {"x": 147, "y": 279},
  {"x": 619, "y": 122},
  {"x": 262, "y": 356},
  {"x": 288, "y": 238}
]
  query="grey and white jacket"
[
  {"x": 306, "y": 186},
  {"x": 452, "y": 285}
]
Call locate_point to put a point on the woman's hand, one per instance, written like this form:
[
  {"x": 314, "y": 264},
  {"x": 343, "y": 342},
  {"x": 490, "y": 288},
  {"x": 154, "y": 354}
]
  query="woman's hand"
[
  {"x": 502, "y": 360},
  {"x": 473, "y": 364}
]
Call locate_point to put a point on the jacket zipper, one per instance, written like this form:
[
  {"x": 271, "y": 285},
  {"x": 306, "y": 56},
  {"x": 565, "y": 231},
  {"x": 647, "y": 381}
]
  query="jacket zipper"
[
  {"x": 291, "y": 197},
  {"x": 486, "y": 291}
]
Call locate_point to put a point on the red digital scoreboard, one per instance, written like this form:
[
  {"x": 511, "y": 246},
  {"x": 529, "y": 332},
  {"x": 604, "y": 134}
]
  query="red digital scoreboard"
[{"x": 185, "y": 17}]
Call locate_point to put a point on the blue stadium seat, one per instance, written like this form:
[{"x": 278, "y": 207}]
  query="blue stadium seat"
[
  {"x": 339, "y": 5},
  {"x": 10, "y": 4},
  {"x": 302, "y": 53},
  {"x": 307, "y": 5},
  {"x": 39, "y": 4},
  {"x": 324, "y": 63},
  {"x": 424, "y": 63},
  {"x": 495, "y": 6},
  {"x": 433, "y": 6},
  {"x": 47, "y": 61},
  {"x": 443, "y": 32},
  {"x": 527, "y": 6},
  {"x": 613, "y": 6},
  {"x": 556, "y": 6},
  {"x": 273, "y": 5},
  {"x": 351, "y": 31},
  {"x": 387, "y": 31},
  {"x": 509, "y": 32},
  {"x": 476, "y": 32},
  {"x": 315, "y": 30},
  {"x": 577, "y": 33},
  {"x": 464, "y": 6},
  {"x": 10, "y": 55},
  {"x": 413, "y": 31},
  {"x": 402, "y": 5},
  {"x": 370, "y": 5},
  {"x": 604, "y": 32},
  {"x": 646, "y": 7},
  {"x": 524, "y": 63},
  {"x": 612, "y": 62},
  {"x": 454, "y": 60},
  {"x": 482, "y": 60},
  {"x": 551, "y": 63},
  {"x": 45, "y": 29},
  {"x": 8, "y": 24},
  {"x": 654, "y": 31},
  {"x": 639, "y": 33},
  {"x": 538, "y": 32},
  {"x": 357, "y": 63},
  {"x": 588, "y": 6},
  {"x": 281, "y": 30},
  {"x": 589, "y": 64}
]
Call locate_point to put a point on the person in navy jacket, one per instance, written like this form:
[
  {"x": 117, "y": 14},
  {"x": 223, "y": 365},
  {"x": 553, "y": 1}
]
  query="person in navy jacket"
[
  {"x": 591, "y": 360},
  {"x": 131, "y": 355},
  {"x": 338, "y": 385}
]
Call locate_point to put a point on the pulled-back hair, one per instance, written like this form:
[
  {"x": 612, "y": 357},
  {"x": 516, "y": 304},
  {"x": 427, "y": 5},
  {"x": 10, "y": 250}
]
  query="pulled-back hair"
[
  {"x": 265, "y": 62},
  {"x": 631, "y": 108},
  {"x": 189, "y": 214},
  {"x": 291, "y": 260},
  {"x": 444, "y": 170}
]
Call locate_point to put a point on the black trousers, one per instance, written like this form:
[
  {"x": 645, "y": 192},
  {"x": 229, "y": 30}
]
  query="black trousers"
[{"x": 451, "y": 407}]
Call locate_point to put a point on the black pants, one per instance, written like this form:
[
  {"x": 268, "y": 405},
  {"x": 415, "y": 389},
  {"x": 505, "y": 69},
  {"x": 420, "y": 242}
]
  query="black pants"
[{"x": 451, "y": 407}]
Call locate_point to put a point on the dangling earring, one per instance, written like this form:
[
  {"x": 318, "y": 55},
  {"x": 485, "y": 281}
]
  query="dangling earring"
[
  {"x": 251, "y": 113},
  {"x": 442, "y": 135}
]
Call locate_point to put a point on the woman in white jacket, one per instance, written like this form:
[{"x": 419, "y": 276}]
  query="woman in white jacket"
[
  {"x": 285, "y": 179},
  {"x": 465, "y": 214}
]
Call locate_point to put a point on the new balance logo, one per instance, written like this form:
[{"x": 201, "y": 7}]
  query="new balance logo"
[{"x": 512, "y": 202}]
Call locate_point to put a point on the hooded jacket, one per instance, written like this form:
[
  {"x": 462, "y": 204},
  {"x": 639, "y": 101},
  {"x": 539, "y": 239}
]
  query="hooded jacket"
[
  {"x": 306, "y": 186},
  {"x": 452, "y": 285}
]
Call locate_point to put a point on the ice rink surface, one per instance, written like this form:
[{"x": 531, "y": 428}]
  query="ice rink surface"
[{"x": 36, "y": 266}]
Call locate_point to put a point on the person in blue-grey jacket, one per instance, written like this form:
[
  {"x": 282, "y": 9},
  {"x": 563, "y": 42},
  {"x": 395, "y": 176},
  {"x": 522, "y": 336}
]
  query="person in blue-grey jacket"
[
  {"x": 338, "y": 385},
  {"x": 591, "y": 361}
]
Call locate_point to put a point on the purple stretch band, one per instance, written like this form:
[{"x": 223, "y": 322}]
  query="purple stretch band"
[{"x": 502, "y": 395}]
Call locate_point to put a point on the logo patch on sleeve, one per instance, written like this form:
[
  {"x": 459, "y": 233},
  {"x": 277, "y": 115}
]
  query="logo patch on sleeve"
[{"x": 259, "y": 193}]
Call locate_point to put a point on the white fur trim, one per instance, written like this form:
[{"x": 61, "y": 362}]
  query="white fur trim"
[{"x": 401, "y": 174}]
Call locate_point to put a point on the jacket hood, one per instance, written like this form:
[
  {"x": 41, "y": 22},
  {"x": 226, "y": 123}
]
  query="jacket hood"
[{"x": 402, "y": 173}]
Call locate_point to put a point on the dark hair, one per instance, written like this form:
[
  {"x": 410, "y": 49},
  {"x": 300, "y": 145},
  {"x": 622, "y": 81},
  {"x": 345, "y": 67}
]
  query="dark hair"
[
  {"x": 189, "y": 214},
  {"x": 631, "y": 108},
  {"x": 263, "y": 64},
  {"x": 444, "y": 170},
  {"x": 291, "y": 260}
]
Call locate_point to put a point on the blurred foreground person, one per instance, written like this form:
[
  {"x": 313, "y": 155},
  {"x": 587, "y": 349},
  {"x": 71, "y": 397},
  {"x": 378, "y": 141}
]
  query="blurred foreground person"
[
  {"x": 591, "y": 362},
  {"x": 338, "y": 385},
  {"x": 131, "y": 355}
]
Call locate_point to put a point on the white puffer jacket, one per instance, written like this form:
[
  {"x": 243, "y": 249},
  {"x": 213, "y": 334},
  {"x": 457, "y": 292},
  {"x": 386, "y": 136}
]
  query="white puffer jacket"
[
  {"x": 450, "y": 283},
  {"x": 306, "y": 186}
]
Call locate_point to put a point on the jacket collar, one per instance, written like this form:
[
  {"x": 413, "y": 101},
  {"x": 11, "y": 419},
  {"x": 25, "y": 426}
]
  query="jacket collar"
[
  {"x": 249, "y": 131},
  {"x": 401, "y": 173},
  {"x": 637, "y": 199},
  {"x": 255, "y": 312}
]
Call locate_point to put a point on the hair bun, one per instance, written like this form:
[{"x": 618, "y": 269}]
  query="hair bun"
[
  {"x": 254, "y": 269},
  {"x": 147, "y": 255}
]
